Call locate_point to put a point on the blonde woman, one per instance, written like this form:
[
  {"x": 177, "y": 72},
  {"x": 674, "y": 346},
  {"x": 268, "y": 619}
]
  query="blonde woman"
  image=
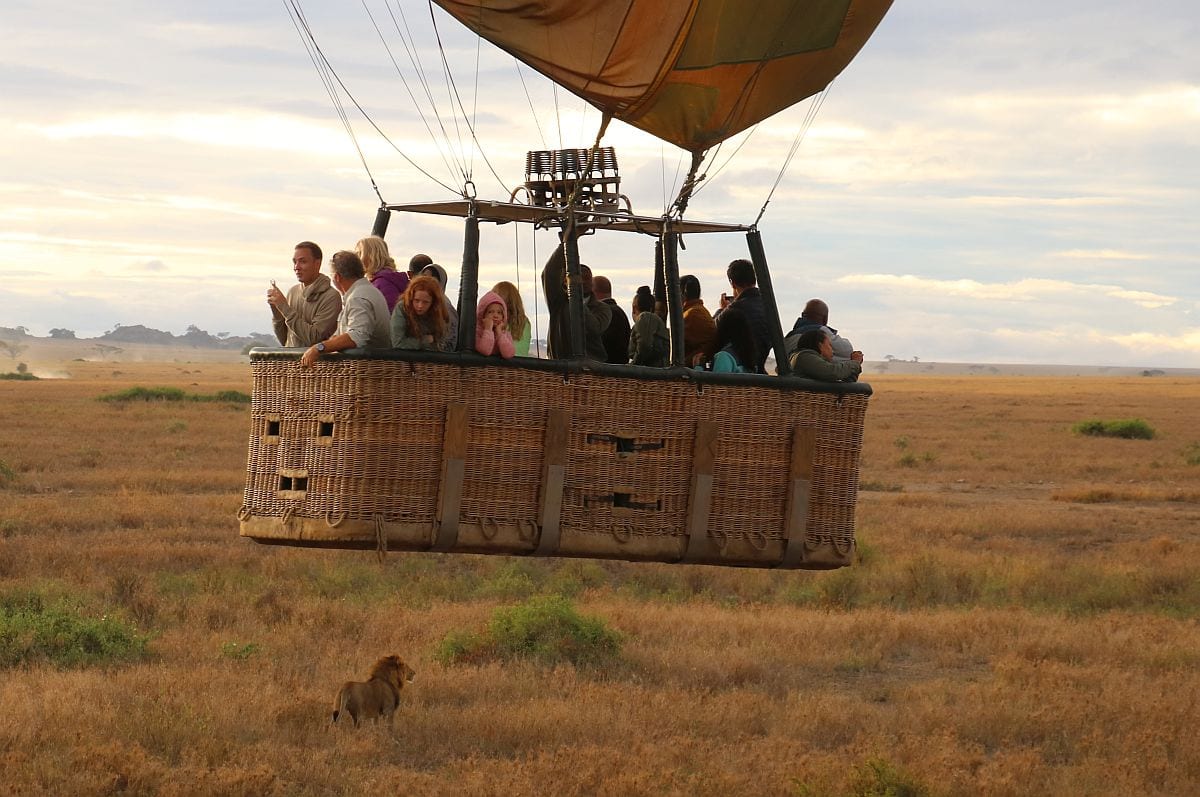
[
  {"x": 381, "y": 269},
  {"x": 518, "y": 322}
]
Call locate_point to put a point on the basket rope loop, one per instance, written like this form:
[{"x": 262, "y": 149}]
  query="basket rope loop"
[
  {"x": 244, "y": 513},
  {"x": 485, "y": 524},
  {"x": 758, "y": 540},
  {"x": 524, "y": 524},
  {"x": 622, "y": 533},
  {"x": 380, "y": 537},
  {"x": 289, "y": 512}
]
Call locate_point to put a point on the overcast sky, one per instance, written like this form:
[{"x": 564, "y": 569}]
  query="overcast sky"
[{"x": 987, "y": 182}]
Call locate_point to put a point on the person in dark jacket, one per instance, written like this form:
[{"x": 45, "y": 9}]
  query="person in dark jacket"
[
  {"x": 748, "y": 299},
  {"x": 616, "y": 337},
  {"x": 596, "y": 314}
]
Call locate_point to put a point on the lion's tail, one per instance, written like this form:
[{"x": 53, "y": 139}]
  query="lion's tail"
[{"x": 339, "y": 705}]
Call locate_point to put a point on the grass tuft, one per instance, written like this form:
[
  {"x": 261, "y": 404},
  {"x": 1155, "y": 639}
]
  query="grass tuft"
[
  {"x": 877, "y": 777},
  {"x": 1129, "y": 429},
  {"x": 546, "y": 629}
]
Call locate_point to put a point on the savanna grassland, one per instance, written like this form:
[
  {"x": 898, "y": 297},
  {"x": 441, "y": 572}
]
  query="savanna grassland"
[{"x": 1022, "y": 620}]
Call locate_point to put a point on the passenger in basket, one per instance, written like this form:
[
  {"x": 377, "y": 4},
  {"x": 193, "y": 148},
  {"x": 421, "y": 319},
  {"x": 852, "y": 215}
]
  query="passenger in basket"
[
  {"x": 814, "y": 359},
  {"x": 420, "y": 320},
  {"x": 748, "y": 299},
  {"x": 816, "y": 316},
  {"x": 699, "y": 329},
  {"x": 363, "y": 322},
  {"x": 491, "y": 327},
  {"x": 381, "y": 269},
  {"x": 616, "y": 337},
  {"x": 734, "y": 346},
  {"x": 439, "y": 273},
  {"x": 309, "y": 311},
  {"x": 596, "y": 314},
  {"x": 649, "y": 343},
  {"x": 518, "y": 322},
  {"x": 416, "y": 263}
]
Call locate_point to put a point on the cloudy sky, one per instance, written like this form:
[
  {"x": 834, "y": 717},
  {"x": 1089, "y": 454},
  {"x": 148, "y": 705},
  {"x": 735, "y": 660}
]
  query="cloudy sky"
[{"x": 987, "y": 182}]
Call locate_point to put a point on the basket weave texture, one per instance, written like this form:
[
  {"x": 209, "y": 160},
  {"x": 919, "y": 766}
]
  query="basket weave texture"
[{"x": 392, "y": 454}]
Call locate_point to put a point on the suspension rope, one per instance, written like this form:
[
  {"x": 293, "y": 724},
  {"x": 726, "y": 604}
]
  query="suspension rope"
[
  {"x": 404, "y": 81},
  {"x": 329, "y": 76},
  {"x": 321, "y": 64},
  {"x": 452, "y": 91},
  {"x": 533, "y": 111},
  {"x": 729, "y": 159},
  {"x": 809, "y": 117}
]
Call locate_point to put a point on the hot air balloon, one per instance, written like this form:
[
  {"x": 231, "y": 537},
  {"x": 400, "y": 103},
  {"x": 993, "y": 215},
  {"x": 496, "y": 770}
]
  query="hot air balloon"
[{"x": 453, "y": 451}]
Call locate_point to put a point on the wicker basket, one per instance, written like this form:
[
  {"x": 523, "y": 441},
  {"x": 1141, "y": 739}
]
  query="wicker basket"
[{"x": 460, "y": 453}]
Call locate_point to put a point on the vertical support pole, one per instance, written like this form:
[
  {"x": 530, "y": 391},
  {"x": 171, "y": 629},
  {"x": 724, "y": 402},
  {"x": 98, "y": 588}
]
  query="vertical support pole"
[
  {"x": 763, "y": 275},
  {"x": 704, "y": 456},
  {"x": 799, "y": 495},
  {"x": 554, "y": 471},
  {"x": 574, "y": 287},
  {"x": 660, "y": 288},
  {"x": 450, "y": 490},
  {"x": 468, "y": 286},
  {"x": 674, "y": 298},
  {"x": 382, "y": 217}
]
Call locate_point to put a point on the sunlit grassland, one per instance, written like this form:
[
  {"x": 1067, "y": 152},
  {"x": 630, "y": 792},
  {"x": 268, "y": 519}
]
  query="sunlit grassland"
[{"x": 1023, "y": 619}]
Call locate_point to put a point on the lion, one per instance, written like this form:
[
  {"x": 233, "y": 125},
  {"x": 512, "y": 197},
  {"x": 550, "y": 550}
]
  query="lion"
[{"x": 378, "y": 696}]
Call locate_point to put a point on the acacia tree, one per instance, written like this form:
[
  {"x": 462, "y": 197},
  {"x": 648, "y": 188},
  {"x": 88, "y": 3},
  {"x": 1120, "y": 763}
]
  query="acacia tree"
[{"x": 12, "y": 348}]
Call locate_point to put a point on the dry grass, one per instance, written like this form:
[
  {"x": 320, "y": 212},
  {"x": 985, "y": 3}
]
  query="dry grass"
[{"x": 1023, "y": 620}]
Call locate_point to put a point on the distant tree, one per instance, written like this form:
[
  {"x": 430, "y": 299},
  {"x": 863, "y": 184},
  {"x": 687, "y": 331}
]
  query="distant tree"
[
  {"x": 889, "y": 357},
  {"x": 22, "y": 368},
  {"x": 916, "y": 359},
  {"x": 58, "y": 333},
  {"x": 105, "y": 351},
  {"x": 12, "y": 348},
  {"x": 222, "y": 335}
]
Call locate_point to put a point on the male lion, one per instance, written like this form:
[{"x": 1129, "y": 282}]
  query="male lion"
[{"x": 378, "y": 696}]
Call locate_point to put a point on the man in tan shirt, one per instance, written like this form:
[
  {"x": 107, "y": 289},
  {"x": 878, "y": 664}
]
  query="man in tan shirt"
[{"x": 309, "y": 311}]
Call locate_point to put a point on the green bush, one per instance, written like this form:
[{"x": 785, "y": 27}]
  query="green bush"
[
  {"x": 23, "y": 376},
  {"x": 174, "y": 394},
  {"x": 32, "y": 631},
  {"x": 1131, "y": 429},
  {"x": 546, "y": 629}
]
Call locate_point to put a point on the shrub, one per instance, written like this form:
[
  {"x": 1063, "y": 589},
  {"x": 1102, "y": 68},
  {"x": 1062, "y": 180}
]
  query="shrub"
[
  {"x": 546, "y": 629},
  {"x": 31, "y": 631},
  {"x": 1191, "y": 454},
  {"x": 174, "y": 394},
  {"x": 22, "y": 377},
  {"x": 146, "y": 394},
  {"x": 1131, "y": 429}
]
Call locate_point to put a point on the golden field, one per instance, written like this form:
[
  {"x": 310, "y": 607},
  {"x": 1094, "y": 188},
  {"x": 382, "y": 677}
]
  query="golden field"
[{"x": 1023, "y": 620}]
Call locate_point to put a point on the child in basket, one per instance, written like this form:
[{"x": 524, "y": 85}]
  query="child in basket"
[
  {"x": 491, "y": 327},
  {"x": 420, "y": 320}
]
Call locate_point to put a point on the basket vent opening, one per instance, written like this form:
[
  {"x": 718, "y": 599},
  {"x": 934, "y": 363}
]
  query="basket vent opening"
[{"x": 325, "y": 429}]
